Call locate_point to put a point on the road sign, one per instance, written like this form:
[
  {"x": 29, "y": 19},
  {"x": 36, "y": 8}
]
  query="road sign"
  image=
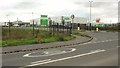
[
  {"x": 44, "y": 20},
  {"x": 100, "y": 25},
  {"x": 72, "y": 16},
  {"x": 66, "y": 18},
  {"x": 98, "y": 20}
]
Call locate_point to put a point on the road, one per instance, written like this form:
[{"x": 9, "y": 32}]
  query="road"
[{"x": 101, "y": 51}]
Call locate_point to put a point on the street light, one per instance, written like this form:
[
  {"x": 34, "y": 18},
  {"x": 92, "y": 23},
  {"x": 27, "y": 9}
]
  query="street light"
[
  {"x": 8, "y": 24},
  {"x": 7, "y": 19},
  {"x": 90, "y": 12},
  {"x": 33, "y": 23}
]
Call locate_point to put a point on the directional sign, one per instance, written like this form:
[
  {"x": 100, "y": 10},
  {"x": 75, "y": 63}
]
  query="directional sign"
[
  {"x": 101, "y": 25},
  {"x": 72, "y": 16},
  {"x": 66, "y": 18},
  {"x": 44, "y": 20}
]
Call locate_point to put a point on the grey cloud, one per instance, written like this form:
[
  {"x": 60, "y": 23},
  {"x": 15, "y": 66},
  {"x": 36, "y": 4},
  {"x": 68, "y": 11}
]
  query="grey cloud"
[
  {"x": 110, "y": 10},
  {"x": 29, "y": 4},
  {"x": 96, "y": 4}
]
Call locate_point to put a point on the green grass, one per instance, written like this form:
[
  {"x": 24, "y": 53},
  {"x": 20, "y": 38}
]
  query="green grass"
[
  {"x": 34, "y": 41},
  {"x": 54, "y": 39},
  {"x": 22, "y": 36},
  {"x": 18, "y": 42}
]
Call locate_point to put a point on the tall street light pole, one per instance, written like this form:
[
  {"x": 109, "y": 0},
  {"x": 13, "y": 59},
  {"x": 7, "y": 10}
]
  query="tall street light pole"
[
  {"x": 33, "y": 23},
  {"x": 7, "y": 19},
  {"x": 90, "y": 12},
  {"x": 8, "y": 24}
]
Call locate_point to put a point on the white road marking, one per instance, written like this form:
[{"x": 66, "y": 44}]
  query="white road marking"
[
  {"x": 40, "y": 61},
  {"x": 75, "y": 45},
  {"x": 97, "y": 42},
  {"x": 95, "y": 50},
  {"x": 26, "y": 55},
  {"x": 73, "y": 50},
  {"x": 105, "y": 41},
  {"x": 71, "y": 57},
  {"x": 46, "y": 53}
]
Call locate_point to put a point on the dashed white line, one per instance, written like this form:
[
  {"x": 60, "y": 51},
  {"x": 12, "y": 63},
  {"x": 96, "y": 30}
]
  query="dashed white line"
[{"x": 97, "y": 42}]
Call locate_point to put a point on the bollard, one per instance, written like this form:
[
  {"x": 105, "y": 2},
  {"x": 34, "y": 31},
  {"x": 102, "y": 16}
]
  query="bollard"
[
  {"x": 78, "y": 28},
  {"x": 97, "y": 29}
]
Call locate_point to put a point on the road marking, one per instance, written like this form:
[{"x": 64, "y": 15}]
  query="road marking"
[
  {"x": 73, "y": 50},
  {"x": 97, "y": 42},
  {"x": 27, "y": 55},
  {"x": 75, "y": 45},
  {"x": 71, "y": 57},
  {"x": 47, "y": 54},
  {"x": 104, "y": 41},
  {"x": 40, "y": 61}
]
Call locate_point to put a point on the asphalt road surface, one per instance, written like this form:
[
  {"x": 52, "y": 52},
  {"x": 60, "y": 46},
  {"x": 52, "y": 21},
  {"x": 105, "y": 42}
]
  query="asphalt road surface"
[{"x": 101, "y": 51}]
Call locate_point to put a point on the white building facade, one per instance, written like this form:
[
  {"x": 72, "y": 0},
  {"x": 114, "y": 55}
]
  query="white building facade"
[{"x": 58, "y": 20}]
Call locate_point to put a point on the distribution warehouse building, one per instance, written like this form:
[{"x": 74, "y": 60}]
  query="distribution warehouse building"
[{"x": 58, "y": 20}]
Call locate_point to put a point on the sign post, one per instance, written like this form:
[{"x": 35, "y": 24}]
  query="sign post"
[
  {"x": 97, "y": 20},
  {"x": 63, "y": 22},
  {"x": 78, "y": 26},
  {"x": 72, "y": 17}
]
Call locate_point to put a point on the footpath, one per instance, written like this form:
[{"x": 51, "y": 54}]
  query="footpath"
[{"x": 33, "y": 47}]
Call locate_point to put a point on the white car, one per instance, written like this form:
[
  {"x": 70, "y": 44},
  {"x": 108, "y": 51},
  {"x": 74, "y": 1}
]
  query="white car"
[{"x": 16, "y": 25}]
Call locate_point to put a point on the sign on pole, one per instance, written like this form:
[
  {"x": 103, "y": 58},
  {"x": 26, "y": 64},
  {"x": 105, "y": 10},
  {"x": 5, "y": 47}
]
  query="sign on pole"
[
  {"x": 44, "y": 20},
  {"x": 66, "y": 18},
  {"x": 72, "y": 16}
]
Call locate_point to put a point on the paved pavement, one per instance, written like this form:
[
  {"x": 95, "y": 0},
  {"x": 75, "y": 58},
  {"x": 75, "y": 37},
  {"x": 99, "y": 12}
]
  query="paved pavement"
[
  {"x": 101, "y": 51},
  {"x": 23, "y": 48}
]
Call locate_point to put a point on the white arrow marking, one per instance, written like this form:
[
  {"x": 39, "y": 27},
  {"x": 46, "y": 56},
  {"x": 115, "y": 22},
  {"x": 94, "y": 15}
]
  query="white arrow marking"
[{"x": 93, "y": 52}]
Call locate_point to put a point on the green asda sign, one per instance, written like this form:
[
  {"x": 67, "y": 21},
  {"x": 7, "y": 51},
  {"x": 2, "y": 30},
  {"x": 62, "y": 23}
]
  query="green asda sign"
[
  {"x": 100, "y": 25},
  {"x": 44, "y": 20},
  {"x": 66, "y": 18}
]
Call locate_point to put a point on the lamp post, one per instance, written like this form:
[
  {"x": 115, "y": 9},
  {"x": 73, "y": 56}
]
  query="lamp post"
[
  {"x": 7, "y": 19},
  {"x": 8, "y": 24},
  {"x": 90, "y": 13},
  {"x": 63, "y": 22},
  {"x": 33, "y": 23}
]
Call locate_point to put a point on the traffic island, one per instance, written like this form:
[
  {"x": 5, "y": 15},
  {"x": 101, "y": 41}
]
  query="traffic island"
[{"x": 26, "y": 48}]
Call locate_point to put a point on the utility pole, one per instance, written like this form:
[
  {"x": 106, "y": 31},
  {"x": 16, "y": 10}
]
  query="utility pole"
[{"x": 90, "y": 13}]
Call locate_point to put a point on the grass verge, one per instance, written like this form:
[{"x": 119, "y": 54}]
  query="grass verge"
[
  {"x": 18, "y": 42},
  {"x": 24, "y": 36}
]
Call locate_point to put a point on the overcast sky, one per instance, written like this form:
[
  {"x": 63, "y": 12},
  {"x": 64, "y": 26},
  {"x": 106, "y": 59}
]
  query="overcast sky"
[{"x": 107, "y": 11}]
